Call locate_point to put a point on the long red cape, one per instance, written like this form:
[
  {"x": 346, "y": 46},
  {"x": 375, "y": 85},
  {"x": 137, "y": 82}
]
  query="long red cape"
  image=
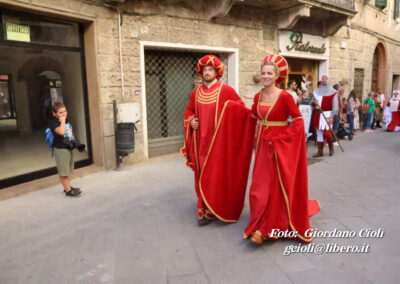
[{"x": 221, "y": 182}]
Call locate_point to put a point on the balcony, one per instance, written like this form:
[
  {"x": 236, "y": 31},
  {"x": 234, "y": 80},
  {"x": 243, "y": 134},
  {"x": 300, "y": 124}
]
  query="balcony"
[
  {"x": 343, "y": 4},
  {"x": 317, "y": 17}
]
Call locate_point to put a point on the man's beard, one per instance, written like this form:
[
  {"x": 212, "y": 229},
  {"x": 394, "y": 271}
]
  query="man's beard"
[{"x": 209, "y": 80}]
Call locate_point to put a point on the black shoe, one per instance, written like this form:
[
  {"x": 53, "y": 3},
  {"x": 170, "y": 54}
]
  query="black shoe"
[
  {"x": 74, "y": 188},
  {"x": 203, "y": 221},
  {"x": 73, "y": 193}
]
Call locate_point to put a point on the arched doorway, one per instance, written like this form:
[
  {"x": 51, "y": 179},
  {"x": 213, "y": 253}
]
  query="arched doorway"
[
  {"x": 379, "y": 66},
  {"x": 41, "y": 75}
]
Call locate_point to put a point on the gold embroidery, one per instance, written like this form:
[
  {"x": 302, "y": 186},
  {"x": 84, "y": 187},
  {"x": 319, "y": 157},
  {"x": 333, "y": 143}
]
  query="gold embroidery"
[
  {"x": 205, "y": 97},
  {"x": 266, "y": 116},
  {"x": 266, "y": 104},
  {"x": 274, "y": 123}
]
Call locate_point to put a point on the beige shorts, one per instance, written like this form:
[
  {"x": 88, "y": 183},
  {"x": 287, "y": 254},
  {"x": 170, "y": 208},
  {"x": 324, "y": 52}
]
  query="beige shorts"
[{"x": 64, "y": 161}]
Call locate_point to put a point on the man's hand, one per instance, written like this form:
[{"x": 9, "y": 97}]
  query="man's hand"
[{"x": 194, "y": 123}]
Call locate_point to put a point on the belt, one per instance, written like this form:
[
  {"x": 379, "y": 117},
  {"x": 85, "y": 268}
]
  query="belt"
[{"x": 273, "y": 123}]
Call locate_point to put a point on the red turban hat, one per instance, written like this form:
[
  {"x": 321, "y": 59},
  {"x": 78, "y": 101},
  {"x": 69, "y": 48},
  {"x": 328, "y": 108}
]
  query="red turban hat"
[
  {"x": 281, "y": 64},
  {"x": 213, "y": 61}
]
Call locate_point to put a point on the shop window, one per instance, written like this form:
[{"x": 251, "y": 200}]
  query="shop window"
[
  {"x": 28, "y": 28},
  {"x": 41, "y": 62},
  {"x": 7, "y": 110}
]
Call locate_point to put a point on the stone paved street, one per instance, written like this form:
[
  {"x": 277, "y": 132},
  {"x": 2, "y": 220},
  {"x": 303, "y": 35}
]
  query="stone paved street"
[{"x": 138, "y": 226}]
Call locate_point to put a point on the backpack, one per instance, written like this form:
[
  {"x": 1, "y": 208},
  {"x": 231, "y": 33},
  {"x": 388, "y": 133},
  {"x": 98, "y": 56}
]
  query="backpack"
[{"x": 49, "y": 137}]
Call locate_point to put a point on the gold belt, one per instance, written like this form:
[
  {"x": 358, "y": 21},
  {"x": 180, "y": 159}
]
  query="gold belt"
[{"x": 273, "y": 123}]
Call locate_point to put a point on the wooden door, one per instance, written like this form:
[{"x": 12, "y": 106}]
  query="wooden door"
[{"x": 299, "y": 68}]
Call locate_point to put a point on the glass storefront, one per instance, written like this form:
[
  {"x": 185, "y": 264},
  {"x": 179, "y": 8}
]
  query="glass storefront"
[{"x": 41, "y": 62}]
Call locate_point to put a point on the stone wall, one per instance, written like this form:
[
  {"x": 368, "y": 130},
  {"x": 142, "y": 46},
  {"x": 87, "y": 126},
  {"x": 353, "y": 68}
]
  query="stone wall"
[
  {"x": 250, "y": 30},
  {"x": 253, "y": 40},
  {"x": 367, "y": 29},
  {"x": 244, "y": 29}
]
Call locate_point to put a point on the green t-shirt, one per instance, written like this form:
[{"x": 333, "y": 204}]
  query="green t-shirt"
[{"x": 371, "y": 104}]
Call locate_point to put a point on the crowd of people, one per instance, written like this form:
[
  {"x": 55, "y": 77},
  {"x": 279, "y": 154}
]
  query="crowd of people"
[{"x": 354, "y": 114}]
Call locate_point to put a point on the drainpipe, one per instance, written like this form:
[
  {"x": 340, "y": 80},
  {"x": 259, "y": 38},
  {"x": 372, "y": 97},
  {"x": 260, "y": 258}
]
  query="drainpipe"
[{"x": 120, "y": 53}]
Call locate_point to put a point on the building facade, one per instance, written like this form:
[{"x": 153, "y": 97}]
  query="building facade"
[{"x": 141, "y": 54}]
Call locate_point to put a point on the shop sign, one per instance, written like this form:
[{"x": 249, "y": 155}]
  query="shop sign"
[
  {"x": 303, "y": 45},
  {"x": 18, "y": 32},
  {"x": 296, "y": 43}
]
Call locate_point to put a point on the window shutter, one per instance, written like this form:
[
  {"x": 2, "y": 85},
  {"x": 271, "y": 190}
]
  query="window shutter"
[
  {"x": 396, "y": 9},
  {"x": 381, "y": 3}
]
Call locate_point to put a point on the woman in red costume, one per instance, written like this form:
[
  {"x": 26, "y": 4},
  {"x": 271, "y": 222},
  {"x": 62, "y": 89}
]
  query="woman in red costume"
[{"x": 279, "y": 190}]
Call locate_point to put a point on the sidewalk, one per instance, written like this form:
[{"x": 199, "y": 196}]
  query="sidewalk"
[{"x": 139, "y": 226}]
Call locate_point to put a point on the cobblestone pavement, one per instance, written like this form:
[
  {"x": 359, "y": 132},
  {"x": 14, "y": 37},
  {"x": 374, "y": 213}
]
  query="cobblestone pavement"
[{"x": 138, "y": 226}]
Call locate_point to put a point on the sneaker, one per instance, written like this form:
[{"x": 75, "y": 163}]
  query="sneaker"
[{"x": 73, "y": 193}]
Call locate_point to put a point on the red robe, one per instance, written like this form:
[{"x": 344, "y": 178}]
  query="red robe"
[
  {"x": 279, "y": 189},
  {"x": 395, "y": 119},
  {"x": 219, "y": 151}
]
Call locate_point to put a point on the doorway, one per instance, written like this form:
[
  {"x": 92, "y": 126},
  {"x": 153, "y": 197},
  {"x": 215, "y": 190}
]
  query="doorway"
[
  {"x": 378, "y": 78},
  {"x": 302, "y": 71},
  {"x": 395, "y": 84}
]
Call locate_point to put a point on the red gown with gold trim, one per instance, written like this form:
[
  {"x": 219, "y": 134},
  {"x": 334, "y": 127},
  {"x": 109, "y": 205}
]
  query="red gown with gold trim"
[
  {"x": 395, "y": 122},
  {"x": 279, "y": 189},
  {"x": 219, "y": 151}
]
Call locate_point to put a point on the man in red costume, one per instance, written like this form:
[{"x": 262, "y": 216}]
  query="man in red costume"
[
  {"x": 327, "y": 104},
  {"x": 216, "y": 123}
]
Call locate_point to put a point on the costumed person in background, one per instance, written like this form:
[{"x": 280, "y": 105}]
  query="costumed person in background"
[
  {"x": 217, "y": 127},
  {"x": 279, "y": 188},
  {"x": 325, "y": 99},
  {"x": 393, "y": 117}
]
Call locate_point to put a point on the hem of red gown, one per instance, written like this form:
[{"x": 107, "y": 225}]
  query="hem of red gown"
[
  {"x": 301, "y": 238},
  {"x": 204, "y": 165},
  {"x": 313, "y": 207},
  {"x": 291, "y": 226},
  {"x": 206, "y": 214}
]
